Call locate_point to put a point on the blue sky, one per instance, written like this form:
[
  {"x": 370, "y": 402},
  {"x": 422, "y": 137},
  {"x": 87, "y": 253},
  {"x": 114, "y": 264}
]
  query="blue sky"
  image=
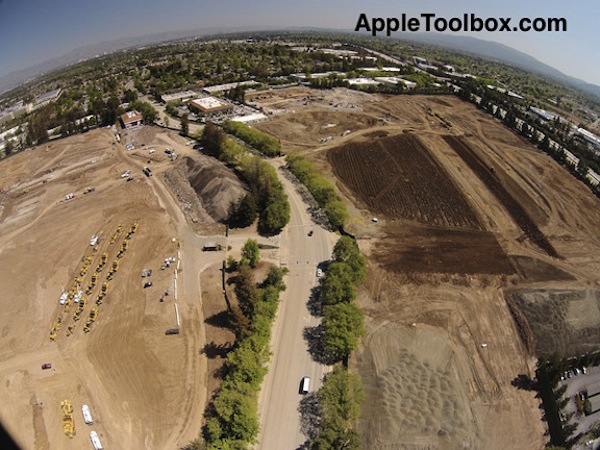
[{"x": 32, "y": 31}]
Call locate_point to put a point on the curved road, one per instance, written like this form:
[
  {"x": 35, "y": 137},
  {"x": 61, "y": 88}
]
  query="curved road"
[{"x": 279, "y": 397}]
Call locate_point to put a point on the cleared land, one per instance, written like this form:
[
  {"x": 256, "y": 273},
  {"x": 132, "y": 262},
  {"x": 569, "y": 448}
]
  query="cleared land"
[
  {"x": 397, "y": 176},
  {"x": 452, "y": 237},
  {"x": 145, "y": 389}
]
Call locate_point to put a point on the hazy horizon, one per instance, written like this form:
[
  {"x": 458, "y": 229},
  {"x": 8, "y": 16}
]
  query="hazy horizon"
[{"x": 36, "y": 31}]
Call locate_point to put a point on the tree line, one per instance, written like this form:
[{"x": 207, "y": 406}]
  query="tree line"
[
  {"x": 265, "y": 144},
  {"x": 320, "y": 188},
  {"x": 233, "y": 421}
]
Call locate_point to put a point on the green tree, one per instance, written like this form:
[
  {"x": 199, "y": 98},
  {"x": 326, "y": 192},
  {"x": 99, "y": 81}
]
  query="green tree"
[
  {"x": 337, "y": 213},
  {"x": 213, "y": 138},
  {"x": 340, "y": 399},
  {"x": 245, "y": 290},
  {"x": 276, "y": 214},
  {"x": 9, "y": 148},
  {"x": 346, "y": 250},
  {"x": 239, "y": 323},
  {"x": 275, "y": 277},
  {"x": 150, "y": 114},
  {"x": 243, "y": 212},
  {"x": 338, "y": 286},
  {"x": 129, "y": 96},
  {"x": 343, "y": 325},
  {"x": 251, "y": 253},
  {"x": 185, "y": 124}
]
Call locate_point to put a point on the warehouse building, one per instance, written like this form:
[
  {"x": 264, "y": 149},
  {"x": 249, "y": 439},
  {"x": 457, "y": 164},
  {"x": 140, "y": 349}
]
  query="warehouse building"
[
  {"x": 178, "y": 96},
  {"x": 210, "y": 105}
]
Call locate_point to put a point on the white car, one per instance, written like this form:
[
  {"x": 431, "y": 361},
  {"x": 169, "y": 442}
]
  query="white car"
[{"x": 319, "y": 273}]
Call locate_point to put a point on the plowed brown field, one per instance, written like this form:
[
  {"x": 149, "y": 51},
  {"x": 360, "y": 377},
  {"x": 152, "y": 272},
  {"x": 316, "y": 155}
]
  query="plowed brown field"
[{"x": 396, "y": 176}]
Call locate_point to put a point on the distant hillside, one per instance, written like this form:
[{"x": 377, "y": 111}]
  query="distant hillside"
[
  {"x": 480, "y": 47},
  {"x": 502, "y": 53}
]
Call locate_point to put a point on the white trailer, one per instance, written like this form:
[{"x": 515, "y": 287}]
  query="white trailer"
[
  {"x": 87, "y": 415},
  {"x": 63, "y": 298},
  {"x": 94, "y": 240},
  {"x": 95, "y": 441}
]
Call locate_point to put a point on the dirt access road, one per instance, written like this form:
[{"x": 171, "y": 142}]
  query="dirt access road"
[{"x": 279, "y": 397}]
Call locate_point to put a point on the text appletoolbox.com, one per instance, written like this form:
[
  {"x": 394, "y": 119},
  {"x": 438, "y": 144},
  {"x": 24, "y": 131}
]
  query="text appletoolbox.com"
[{"x": 468, "y": 22}]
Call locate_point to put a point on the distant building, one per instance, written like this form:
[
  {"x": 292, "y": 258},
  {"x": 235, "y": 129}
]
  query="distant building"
[
  {"x": 393, "y": 81},
  {"x": 46, "y": 98},
  {"x": 382, "y": 69},
  {"x": 587, "y": 137},
  {"x": 211, "y": 105},
  {"x": 132, "y": 119},
  {"x": 546, "y": 115},
  {"x": 228, "y": 86},
  {"x": 250, "y": 118},
  {"x": 181, "y": 96},
  {"x": 362, "y": 82}
]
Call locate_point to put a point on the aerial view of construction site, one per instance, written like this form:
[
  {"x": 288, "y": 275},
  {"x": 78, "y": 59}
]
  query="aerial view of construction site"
[{"x": 142, "y": 245}]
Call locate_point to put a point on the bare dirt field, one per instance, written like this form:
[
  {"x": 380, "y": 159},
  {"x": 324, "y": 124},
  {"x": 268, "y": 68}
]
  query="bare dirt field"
[
  {"x": 470, "y": 215},
  {"x": 145, "y": 389}
]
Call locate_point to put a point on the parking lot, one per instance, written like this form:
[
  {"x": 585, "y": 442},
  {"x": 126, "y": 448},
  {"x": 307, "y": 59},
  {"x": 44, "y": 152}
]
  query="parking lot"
[{"x": 576, "y": 383}]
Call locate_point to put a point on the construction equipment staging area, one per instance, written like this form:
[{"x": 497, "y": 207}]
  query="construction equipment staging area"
[
  {"x": 76, "y": 296},
  {"x": 91, "y": 281}
]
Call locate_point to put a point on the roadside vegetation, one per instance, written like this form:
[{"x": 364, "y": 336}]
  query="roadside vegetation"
[
  {"x": 265, "y": 144},
  {"x": 232, "y": 416},
  {"x": 320, "y": 188},
  {"x": 338, "y": 402},
  {"x": 343, "y": 321},
  {"x": 267, "y": 196}
]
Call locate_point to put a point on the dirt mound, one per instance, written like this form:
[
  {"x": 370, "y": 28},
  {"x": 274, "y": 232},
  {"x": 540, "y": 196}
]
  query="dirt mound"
[{"x": 204, "y": 187}]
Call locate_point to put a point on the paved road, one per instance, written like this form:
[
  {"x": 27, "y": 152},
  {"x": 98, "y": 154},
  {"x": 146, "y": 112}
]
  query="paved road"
[{"x": 279, "y": 398}]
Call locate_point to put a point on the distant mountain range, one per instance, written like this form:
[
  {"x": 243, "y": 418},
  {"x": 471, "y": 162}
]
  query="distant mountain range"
[{"x": 467, "y": 44}]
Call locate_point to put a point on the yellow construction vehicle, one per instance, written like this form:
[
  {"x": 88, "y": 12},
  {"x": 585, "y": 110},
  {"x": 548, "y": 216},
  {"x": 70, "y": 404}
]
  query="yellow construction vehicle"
[
  {"x": 53, "y": 333},
  {"x": 70, "y": 329},
  {"x": 68, "y": 421},
  {"x": 91, "y": 320}
]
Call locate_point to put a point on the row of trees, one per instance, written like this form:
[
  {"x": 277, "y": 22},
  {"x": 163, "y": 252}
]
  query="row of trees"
[
  {"x": 266, "y": 198},
  {"x": 343, "y": 321},
  {"x": 339, "y": 401},
  {"x": 341, "y": 395},
  {"x": 233, "y": 421},
  {"x": 320, "y": 187},
  {"x": 265, "y": 144}
]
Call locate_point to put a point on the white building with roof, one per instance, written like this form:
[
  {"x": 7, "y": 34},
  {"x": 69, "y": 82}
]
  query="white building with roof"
[
  {"x": 362, "y": 82},
  {"x": 210, "y": 105},
  {"x": 228, "y": 86},
  {"x": 178, "y": 96},
  {"x": 393, "y": 81}
]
